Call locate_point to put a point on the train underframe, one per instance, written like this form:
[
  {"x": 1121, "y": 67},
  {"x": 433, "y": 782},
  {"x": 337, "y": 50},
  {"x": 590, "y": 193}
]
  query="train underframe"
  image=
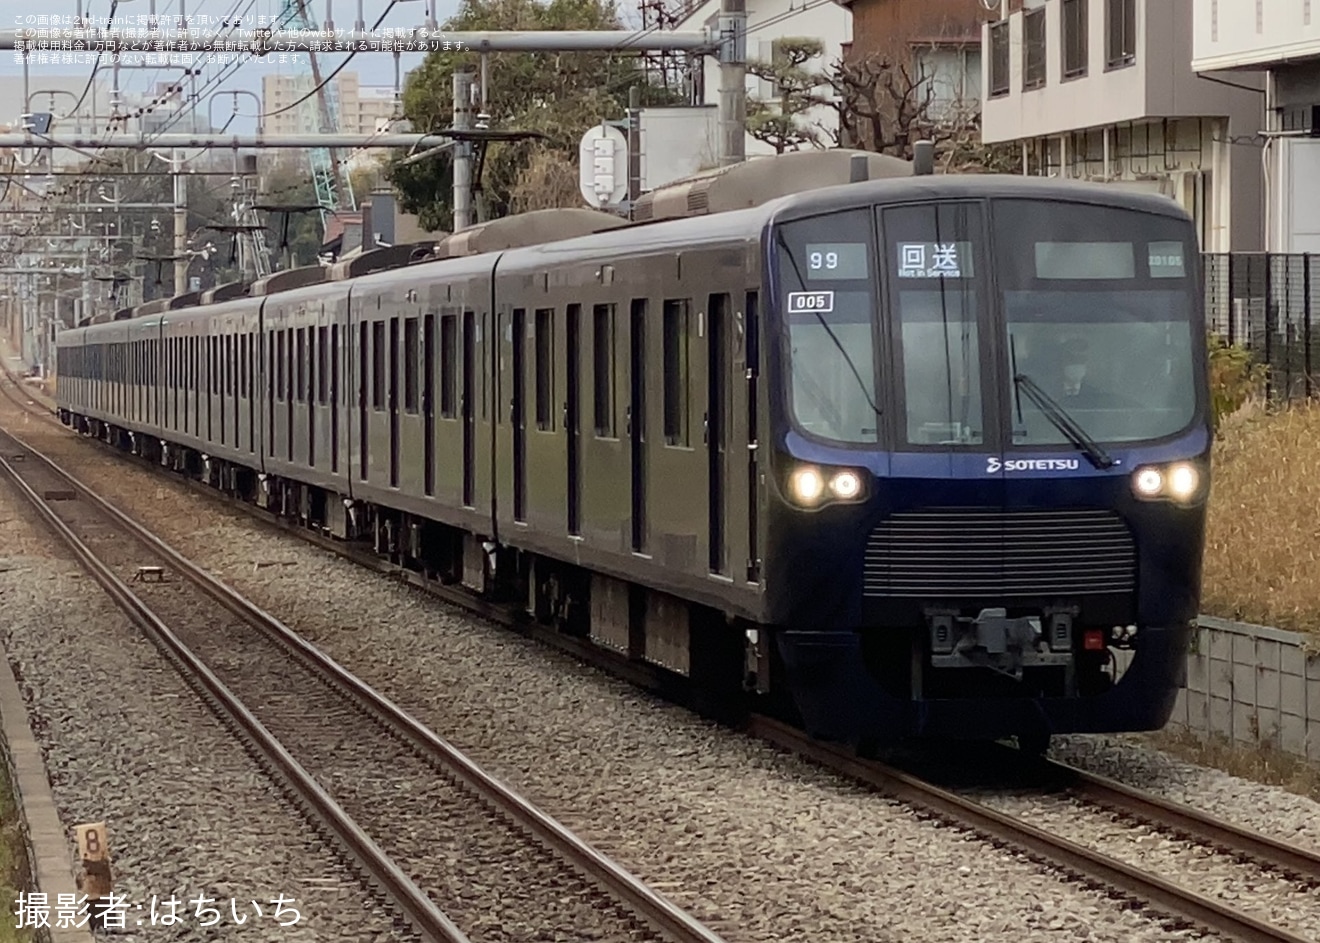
[{"x": 867, "y": 687}]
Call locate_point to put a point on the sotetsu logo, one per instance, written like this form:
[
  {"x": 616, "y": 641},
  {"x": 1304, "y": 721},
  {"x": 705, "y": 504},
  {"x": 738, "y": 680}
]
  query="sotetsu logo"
[{"x": 993, "y": 464}]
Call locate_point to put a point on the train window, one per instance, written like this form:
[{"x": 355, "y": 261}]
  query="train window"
[
  {"x": 393, "y": 373},
  {"x": 280, "y": 388},
  {"x": 602, "y": 360},
  {"x": 678, "y": 373},
  {"x": 288, "y": 365},
  {"x": 545, "y": 369},
  {"x": 322, "y": 366},
  {"x": 378, "y": 365},
  {"x": 334, "y": 362},
  {"x": 411, "y": 353},
  {"x": 300, "y": 392},
  {"x": 449, "y": 365},
  {"x": 936, "y": 297}
]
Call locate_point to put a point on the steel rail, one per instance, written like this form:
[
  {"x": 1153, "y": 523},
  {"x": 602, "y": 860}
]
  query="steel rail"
[
  {"x": 1292, "y": 859},
  {"x": 1165, "y": 895},
  {"x": 419, "y": 908},
  {"x": 636, "y": 894}
]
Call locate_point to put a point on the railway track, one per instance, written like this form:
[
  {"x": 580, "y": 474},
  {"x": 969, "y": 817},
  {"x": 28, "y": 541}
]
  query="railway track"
[
  {"x": 457, "y": 853},
  {"x": 1154, "y": 891}
]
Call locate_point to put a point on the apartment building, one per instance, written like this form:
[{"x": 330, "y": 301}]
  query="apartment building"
[
  {"x": 358, "y": 109},
  {"x": 1104, "y": 90},
  {"x": 1277, "y": 41}
]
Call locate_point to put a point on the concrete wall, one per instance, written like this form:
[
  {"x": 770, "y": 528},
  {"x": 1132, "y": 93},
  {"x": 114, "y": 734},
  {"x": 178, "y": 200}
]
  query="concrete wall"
[{"x": 1253, "y": 685}]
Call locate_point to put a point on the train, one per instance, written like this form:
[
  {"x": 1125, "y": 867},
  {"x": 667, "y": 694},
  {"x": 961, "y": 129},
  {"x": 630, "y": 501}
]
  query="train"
[{"x": 905, "y": 455}]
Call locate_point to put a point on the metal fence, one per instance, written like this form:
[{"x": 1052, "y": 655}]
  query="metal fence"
[{"x": 1270, "y": 304}]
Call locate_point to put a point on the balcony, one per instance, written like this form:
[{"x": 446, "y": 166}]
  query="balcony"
[
  {"x": 1066, "y": 65},
  {"x": 1231, "y": 34}
]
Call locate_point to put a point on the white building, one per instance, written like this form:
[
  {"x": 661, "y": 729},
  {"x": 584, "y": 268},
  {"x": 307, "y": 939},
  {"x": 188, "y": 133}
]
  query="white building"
[
  {"x": 769, "y": 21},
  {"x": 1105, "y": 90},
  {"x": 1281, "y": 38}
]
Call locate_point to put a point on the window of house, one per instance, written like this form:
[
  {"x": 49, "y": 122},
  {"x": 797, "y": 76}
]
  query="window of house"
[
  {"x": 1033, "y": 49},
  {"x": 1074, "y": 38},
  {"x": 1120, "y": 32},
  {"x": 999, "y": 60}
]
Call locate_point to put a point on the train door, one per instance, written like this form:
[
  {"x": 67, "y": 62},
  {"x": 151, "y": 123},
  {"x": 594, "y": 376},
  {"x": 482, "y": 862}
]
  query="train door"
[
  {"x": 519, "y": 414},
  {"x": 334, "y": 394},
  {"x": 469, "y": 406},
  {"x": 752, "y": 353},
  {"x": 315, "y": 380},
  {"x": 395, "y": 367},
  {"x": 717, "y": 398},
  {"x": 428, "y": 404},
  {"x": 636, "y": 420},
  {"x": 573, "y": 416},
  {"x": 363, "y": 354}
]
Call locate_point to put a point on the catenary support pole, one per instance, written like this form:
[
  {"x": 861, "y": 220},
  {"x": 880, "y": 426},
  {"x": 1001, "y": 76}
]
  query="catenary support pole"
[
  {"x": 733, "y": 81},
  {"x": 181, "y": 258},
  {"x": 462, "y": 121}
]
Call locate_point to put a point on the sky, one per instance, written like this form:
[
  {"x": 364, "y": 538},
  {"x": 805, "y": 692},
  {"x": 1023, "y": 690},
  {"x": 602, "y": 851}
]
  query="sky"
[{"x": 372, "y": 68}]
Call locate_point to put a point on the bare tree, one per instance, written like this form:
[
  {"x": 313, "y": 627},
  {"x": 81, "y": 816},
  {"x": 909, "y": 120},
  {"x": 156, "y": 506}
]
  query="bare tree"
[{"x": 885, "y": 103}]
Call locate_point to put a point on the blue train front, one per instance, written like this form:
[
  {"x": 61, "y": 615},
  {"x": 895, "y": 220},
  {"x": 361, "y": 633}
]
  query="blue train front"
[{"x": 991, "y": 460}]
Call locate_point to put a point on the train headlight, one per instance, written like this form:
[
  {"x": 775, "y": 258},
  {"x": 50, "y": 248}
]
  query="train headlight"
[
  {"x": 812, "y": 487},
  {"x": 808, "y": 485},
  {"x": 846, "y": 485},
  {"x": 1148, "y": 482},
  {"x": 1180, "y": 482},
  {"x": 1183, "y": 481}
]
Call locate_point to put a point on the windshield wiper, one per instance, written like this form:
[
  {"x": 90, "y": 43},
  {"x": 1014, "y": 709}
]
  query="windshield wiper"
[{"x": 1057, "y": 415}]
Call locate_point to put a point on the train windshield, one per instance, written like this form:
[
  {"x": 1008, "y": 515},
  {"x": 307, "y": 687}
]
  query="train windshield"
[
  {"x": 826, "y": 267},
  {"x": 1098, "y": 306}
]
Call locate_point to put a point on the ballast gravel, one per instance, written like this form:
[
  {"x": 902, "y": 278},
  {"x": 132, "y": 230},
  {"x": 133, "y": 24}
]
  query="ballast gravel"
[
  {"x": 759, "y": 845},
  {"x": 189, "y": 813}
]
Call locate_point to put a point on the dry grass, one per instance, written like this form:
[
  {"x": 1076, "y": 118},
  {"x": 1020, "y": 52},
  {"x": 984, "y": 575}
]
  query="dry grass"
[
  {"x": 1266, "y": 763},
  {"x": 1262, "y": 561},
  {"x": 13, "y": 865}
]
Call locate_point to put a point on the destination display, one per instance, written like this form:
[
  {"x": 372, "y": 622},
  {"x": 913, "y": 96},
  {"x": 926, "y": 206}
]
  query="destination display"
[{"x": 934, "y": 260}]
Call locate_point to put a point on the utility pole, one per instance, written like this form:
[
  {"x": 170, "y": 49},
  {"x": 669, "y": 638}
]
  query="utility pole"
[
  {"x": 462, "y": 121},
  {"x": 733, "y": 81}
]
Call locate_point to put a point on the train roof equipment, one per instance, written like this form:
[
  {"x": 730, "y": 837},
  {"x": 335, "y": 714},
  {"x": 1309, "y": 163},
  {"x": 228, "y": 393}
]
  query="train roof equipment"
[{"x": 754, "y": 182}]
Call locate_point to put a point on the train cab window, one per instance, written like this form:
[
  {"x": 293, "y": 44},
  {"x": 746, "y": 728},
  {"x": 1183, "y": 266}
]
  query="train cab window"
[
  {"x": 545, "y": 369},
  {"x": 678, "y": 371},
  {"x": 449, "y": 366},
  {"x": 602, "y": 369},
  {"x": 411, "y": 354},
  {"x": 378, "y": 365},
  {"x": 932, "y": 259},
  {"x": 1098, "y": 305},
  {"x": 828, "y": 303}
]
